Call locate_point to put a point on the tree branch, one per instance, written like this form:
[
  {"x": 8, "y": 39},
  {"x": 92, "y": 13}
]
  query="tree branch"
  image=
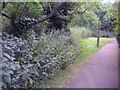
[
  {"x": 83, "y": 11},
  {"x": 44, "y": 18},
  {"x": 6, "y": 16},
  {"x": 51, "y": 14}
]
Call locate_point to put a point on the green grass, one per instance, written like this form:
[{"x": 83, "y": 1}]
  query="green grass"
[{"x": 88, "y": 48}]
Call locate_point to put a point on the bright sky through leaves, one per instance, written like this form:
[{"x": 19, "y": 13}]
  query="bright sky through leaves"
[{"x": 112, "y": 1}]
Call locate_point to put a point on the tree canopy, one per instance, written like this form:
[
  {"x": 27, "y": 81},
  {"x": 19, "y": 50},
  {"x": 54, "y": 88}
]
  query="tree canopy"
[{"x": 21, "y": 16}]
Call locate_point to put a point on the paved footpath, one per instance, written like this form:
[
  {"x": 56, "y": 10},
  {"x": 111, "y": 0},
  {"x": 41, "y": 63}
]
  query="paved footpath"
[{"x": 100, "y": 72}]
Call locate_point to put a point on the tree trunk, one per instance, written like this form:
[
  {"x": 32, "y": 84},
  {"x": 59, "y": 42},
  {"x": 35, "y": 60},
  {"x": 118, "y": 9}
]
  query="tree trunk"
[{"x": 118, "y": 40}]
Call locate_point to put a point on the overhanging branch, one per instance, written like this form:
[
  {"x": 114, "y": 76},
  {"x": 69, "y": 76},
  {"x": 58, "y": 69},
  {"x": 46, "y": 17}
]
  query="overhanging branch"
[
  {"x": 44, "y": 18},
  {"x": 51, "y": 14},
  {"x": 84, "y": 10},
  {"x": 6, "y": 16}
]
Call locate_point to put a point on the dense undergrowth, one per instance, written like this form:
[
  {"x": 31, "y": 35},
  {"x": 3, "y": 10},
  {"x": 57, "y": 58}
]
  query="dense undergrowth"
[{"x": 26, "y": 63}]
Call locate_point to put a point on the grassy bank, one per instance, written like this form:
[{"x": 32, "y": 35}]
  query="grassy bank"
[{"x": 88, "y": 48}]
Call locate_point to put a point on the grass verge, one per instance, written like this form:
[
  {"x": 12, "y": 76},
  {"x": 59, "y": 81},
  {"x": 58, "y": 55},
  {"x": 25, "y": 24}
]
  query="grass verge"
[{"x": 88, "y": 48}]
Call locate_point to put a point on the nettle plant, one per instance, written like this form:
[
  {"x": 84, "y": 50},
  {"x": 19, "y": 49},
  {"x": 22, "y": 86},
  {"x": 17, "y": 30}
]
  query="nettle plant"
[{"x": 36, "y": 58}]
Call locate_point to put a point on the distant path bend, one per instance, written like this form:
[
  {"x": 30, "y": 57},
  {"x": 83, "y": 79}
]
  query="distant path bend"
[{"x": 100, "y": 72}]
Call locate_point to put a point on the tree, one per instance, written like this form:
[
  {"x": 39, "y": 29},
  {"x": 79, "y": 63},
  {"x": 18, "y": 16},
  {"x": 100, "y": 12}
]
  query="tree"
[
  {"x": 22, "y": 22},
  {"x": 61, "y": 18}
]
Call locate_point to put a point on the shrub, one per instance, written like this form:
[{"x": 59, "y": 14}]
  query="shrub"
[
  {"x": 27, "y": 62},
  {"x": 81, "y": 32},
  {"x": 11, "y": 69}
]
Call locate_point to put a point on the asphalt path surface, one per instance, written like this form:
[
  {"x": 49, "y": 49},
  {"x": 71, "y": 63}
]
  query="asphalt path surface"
[{"x": 100, "y": 72}]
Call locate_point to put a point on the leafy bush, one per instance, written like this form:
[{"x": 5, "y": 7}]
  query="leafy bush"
[
  {"x": 11, "y": 69},
  {"x": 81, "y": 32},
  {"x": 27, "y": 62}
]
